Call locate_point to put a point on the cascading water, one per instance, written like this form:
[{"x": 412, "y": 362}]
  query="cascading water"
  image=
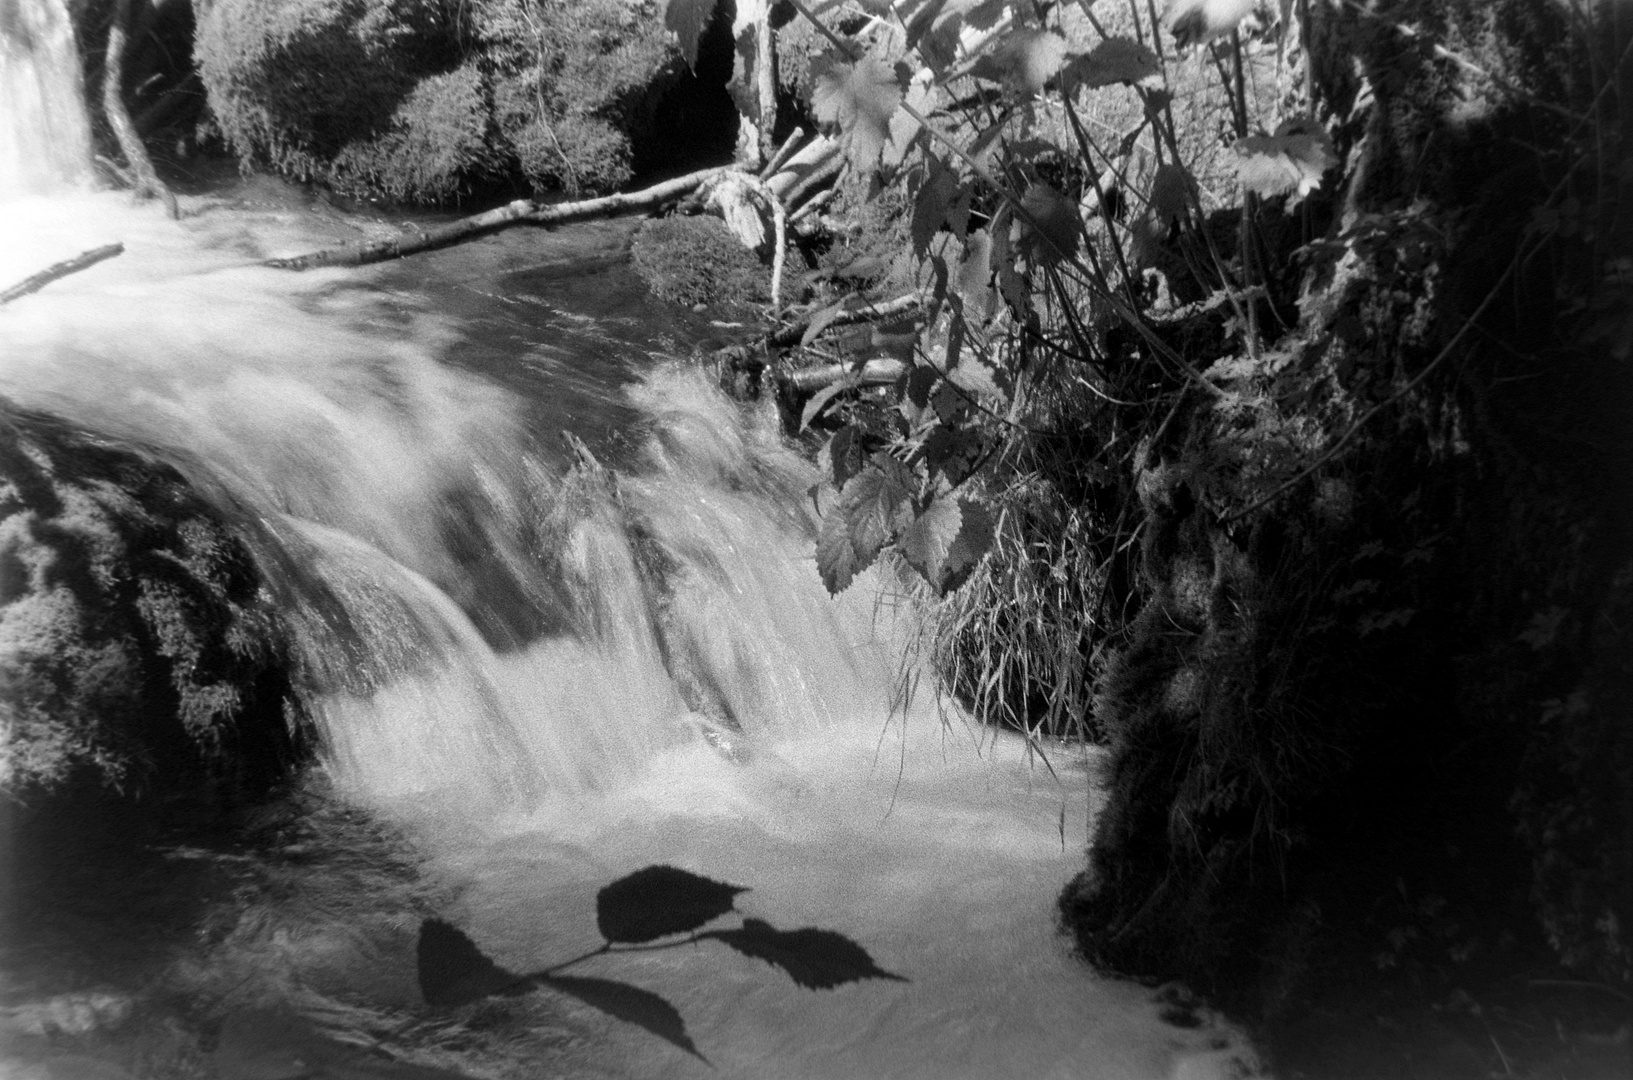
[
  {"x": 550, "y": 662},
  {"x": 45, "y": 140}
]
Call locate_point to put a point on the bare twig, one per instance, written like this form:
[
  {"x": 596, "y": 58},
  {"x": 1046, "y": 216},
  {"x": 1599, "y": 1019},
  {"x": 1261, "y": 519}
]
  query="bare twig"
[{"x": 36, "y": 282}]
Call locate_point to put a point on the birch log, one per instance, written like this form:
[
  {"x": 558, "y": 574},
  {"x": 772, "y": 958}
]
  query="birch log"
[{"x": 520, "y": 212}]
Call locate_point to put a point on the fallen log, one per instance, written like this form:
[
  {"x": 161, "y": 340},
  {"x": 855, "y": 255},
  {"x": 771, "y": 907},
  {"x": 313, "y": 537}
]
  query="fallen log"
[
  {"x": 794, "y": 333},
  {"x": 35, "y": 282},
  {"x": 147, "y": 182},
  {"x": 881, "y": 372},
  {"x": 520, "y": 212}
]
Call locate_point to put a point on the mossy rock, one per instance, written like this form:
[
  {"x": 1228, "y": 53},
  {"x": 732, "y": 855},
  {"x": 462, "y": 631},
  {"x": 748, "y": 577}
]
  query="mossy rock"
[
  {"x": 696, "y": 260},
  {"x": 136, "y": 645}
]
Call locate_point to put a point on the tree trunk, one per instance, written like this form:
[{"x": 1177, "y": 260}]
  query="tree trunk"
[{"x": 147, "y": 182}]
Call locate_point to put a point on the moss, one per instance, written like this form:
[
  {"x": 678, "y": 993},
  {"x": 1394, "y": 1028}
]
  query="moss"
[
  {"x": 696, "y": 260},
  {"x": 135, "y": 643},
  {"x": 422, "y": 100}
]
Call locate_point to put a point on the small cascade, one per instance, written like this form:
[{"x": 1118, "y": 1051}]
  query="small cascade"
[{"x": 45, "y": 138}]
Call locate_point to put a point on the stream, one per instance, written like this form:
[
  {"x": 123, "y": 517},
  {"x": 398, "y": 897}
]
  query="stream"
[{"x": 534, "y": 665}]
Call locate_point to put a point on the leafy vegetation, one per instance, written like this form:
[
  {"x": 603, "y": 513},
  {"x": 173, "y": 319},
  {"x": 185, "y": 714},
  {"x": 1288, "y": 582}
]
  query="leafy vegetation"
[{"x": 1248, "y": 351}]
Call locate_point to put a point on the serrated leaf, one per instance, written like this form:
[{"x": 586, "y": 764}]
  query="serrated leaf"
[
  {"x": 657, "y": 901},
  {"x": 859, "y": 97},
  {"x": 938, "y": 189},
  {"x": 687, "y": 20},
  {"x": 1292, "y": 161},
  {"x": 919, "y": 21},
  {"x": 1050, "y": 230},
  {"x": 1024, "y": 59},
  {"x": 1173, "y": 191},
  {"x": 630, "y": 1004},
  {"x": 976, "y": 531},
  {"x": 867, "y": 515},
  {"x": 815, "y": 959},
  {"x": 453, "y": 971},
  {"x": 1114, "y": 60},
  {"x": 926, "y": 542}
]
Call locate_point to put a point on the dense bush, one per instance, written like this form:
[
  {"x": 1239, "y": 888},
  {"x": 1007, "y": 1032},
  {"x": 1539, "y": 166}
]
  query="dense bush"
[
  {"x": 136, "y": 647},
  {"x": 425, "y": 100}
]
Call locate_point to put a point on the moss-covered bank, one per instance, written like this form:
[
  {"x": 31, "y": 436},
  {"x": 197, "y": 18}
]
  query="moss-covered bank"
[{"x": 428, "y": 100}]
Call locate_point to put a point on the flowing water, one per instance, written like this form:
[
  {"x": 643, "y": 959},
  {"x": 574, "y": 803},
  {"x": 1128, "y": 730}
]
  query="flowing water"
[{"x": 537, "y": 664}]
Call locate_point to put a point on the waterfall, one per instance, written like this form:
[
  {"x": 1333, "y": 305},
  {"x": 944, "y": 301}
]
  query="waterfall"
[{"x": 45, "y": 139}]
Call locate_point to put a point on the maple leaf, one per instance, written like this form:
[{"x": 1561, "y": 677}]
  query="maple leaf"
[
  {"x": 1024, "y": 60},
  {"x": 859, "y": 97},
  {"x": 1290, "y": 161}
]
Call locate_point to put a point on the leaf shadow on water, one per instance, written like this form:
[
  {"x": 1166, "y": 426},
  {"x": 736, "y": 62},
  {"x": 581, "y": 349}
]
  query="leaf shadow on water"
[{"x": 637, "y": 913}]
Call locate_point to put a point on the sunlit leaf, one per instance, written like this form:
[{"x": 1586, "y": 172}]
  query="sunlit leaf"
[
  {"x": 927, "y": 540},
  {"x": 687, "y": 19},
  {"x": 975, "y": 379},
  {"x": 453, "y": 971},
  {"x": 1024, "y": 59},
  {"x": 814, "y": 959},
  {"x": 1197, "y": 22},
  {"x": 1114, "y": 60},
  {"x": 1050, "y": 230},
  {"x": 628, "y": 1003},
  {"x": 656, "y": 901},
  {"x": 1292, "y": 161},
  {"x": 859, "y": 97}
]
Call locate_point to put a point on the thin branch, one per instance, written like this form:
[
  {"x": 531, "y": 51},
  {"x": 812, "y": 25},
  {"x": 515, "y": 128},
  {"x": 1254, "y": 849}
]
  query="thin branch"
[{"x": 36, "y": 282}]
